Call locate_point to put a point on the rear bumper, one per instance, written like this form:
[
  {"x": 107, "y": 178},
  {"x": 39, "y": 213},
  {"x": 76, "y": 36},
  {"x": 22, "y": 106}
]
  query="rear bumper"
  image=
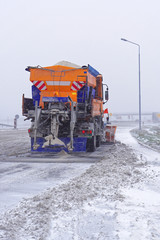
[{"x": 79, "y": 145}]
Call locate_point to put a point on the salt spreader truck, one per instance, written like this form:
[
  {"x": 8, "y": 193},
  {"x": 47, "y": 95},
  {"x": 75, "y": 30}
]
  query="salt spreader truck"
[{"x": 66, "y": 108}]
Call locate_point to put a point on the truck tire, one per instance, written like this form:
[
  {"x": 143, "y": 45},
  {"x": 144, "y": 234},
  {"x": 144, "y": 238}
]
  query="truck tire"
[
  {"x": 91, "y": 144},
  {"x": 98, "y": 141}
]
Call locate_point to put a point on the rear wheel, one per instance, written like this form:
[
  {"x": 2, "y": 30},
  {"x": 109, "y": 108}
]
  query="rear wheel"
[
  {"x": 91, "y": 144},
  {"x": 98, "y": 141}
]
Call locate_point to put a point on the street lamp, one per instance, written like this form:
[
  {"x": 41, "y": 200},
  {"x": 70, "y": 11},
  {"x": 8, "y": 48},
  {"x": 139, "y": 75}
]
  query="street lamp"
[{"x": 123, "y": 39}]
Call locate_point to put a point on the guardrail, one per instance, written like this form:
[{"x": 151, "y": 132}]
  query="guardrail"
[{"x": 6, "y": 125}]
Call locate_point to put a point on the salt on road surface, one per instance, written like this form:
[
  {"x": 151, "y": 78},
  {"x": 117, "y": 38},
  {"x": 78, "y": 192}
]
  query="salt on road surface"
[{"x": 115, "y": 198}]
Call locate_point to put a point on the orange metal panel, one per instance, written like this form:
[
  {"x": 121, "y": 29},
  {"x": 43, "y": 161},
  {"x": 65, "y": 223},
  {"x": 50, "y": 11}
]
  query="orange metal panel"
[
  {"x": 97, "y": 107},
  {"x": 58, "y": 81},
  {"x": 73, "y": 95},
  {"x": 99, "y": 87},
  {"x": 58, "y": 78},
  {"x": 91, "y": 80},
  {"x": 61, "y": 81},
  {"x": 110, "y": 133}
]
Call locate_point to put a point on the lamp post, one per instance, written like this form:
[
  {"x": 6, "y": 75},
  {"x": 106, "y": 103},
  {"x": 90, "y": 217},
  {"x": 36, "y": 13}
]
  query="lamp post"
[{"x": 123, "y": 39}]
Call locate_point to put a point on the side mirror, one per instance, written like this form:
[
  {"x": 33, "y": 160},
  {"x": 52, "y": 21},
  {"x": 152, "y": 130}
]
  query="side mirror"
[{"x": 106, "y": 95}]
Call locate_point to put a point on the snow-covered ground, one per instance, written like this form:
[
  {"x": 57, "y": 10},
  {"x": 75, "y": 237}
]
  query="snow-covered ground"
[
  {"x": 140, "y": 212},
  {"x": 118, "y": 197},
  {"x": 149, "y": 136}
]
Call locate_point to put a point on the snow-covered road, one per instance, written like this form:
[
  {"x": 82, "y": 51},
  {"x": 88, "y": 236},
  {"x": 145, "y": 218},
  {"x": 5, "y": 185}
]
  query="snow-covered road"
[
  {"x": 23, "y": 175},
  {"x": 116, "y": 198},
  {"x": 22, "y": 180}
]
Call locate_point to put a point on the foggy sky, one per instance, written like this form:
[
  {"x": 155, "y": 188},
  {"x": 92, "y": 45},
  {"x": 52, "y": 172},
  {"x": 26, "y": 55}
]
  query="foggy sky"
[{"x": 83, "y": 32}]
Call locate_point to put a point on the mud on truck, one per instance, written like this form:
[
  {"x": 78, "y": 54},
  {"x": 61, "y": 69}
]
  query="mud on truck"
[{"x": 66, "y": 108}]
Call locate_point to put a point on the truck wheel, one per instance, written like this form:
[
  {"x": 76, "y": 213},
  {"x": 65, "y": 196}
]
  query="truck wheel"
[
  {"x": 98, "y": 141},
  {"x": 91, "y": 146}
]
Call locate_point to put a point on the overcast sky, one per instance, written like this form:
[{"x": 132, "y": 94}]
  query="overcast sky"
[{"x": 36, "y": 32}]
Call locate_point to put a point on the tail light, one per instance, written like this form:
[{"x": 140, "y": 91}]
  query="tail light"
[{"x": 87, "y": 131}]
